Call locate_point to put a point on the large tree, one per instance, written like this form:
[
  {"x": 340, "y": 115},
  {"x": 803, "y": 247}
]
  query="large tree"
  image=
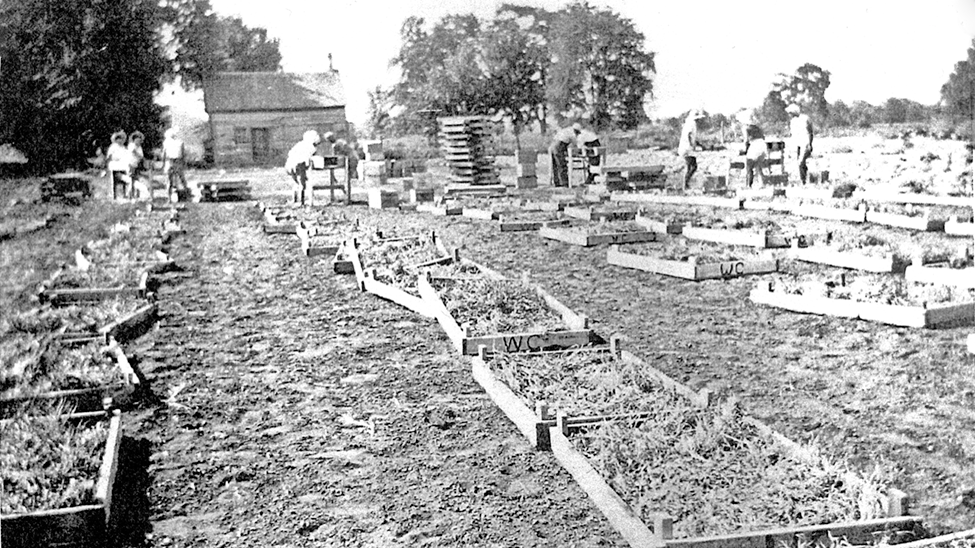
[
  {"x": 74, "y": 72},
  {"x": 958, "y": 93},
  {"x": 600, "y": 69},
  {"x": 806, "y": 88}
]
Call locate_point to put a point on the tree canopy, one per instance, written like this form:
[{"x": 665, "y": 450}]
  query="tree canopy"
[
  {"x": 74, "y": 72},
  {"x": 958, "y": 93},
  {"x": 579, "y": 62}
]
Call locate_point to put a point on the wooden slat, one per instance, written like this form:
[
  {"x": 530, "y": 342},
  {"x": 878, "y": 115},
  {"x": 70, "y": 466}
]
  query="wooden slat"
[
  {"x": 734, "y": 269},
  {"x": 676, "y": 269},
  {"x": 660, "y": 227},
  {"x": 910, "y": 198},
  {"x": 506, "y": 400},
  {"x": 574, "y": 237},
  {"x": 858, "y": 215},
  {"x": 727, "y": 236},
  {"x": 856, "y": 532},
  {"x": 844, "y": 259},
  {"x": 395, "y": 294},
  {"x": 925, "y": 223},
  {"x": 960, "y": 277},
  {"x": 732, "y": 203},
  {"x": 805, "y": 304}
]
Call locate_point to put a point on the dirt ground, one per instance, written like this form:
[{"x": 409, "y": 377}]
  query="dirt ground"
[{"x": 289, "y": 409}]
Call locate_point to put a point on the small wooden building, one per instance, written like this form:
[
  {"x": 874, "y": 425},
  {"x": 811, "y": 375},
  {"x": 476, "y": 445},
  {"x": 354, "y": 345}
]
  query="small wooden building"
[{"x": 255, "y": 117}]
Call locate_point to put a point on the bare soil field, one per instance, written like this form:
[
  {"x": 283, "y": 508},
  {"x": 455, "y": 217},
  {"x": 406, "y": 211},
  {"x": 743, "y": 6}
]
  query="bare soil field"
[{"x": 287, "y": 408}]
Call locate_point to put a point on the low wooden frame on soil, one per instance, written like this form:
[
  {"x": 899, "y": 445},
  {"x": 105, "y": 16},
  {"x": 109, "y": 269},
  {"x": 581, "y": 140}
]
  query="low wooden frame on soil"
[
  {"x": 958, "y": 227},
  {"x": 547, "y": 434},
  {"x": 572, "y": 236},
  {"x": 689, "y": 270},
  {"x": 846, "y": 259},
  {"x": 517, "y": 225},
  {"x": 592, "y": 214},
  {"x": 61, "y": 296},
  {"x": 941, "y": 275},
  {"x": 932, "y": 316},
  {"x": 85, "y": 399},
  {"x": 780, "y": 206},
  {"x": 440, "y": 210},
  {"x": 577, "y": 334},
  {"x": 858, "y": 215},
  {"x": 923, "y": 223},
  {"x": 764, "y": 239},
  {"x": 78, "y": 526},
  {"x": 660, "y": 227},
  {"x": 368, "y": 283},
  {"x": 732, "y": 203},
  {"x": 126, "y": 328},
  {"x": 911, "y": 198}
]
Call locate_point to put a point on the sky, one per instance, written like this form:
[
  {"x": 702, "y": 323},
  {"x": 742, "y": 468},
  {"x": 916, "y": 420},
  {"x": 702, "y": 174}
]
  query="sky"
[{"x": 720, "y": 55}]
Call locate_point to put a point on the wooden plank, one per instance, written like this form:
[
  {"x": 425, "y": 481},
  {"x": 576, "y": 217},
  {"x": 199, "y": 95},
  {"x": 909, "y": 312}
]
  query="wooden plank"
[
  {"x": 660, "y": 227},
  {"x": 573, "y": 237},
  {"x": 590, "y": 214},
  {"x": 858, "y": 215},
  {"x": 804, "y": 304},
  {"x": 959, "y": 277},
  {"x": 770, "y": 205},
  {"x": 506, "y": 400},
  {"x": 727, "y": 236},
  {"x": 608, "y": 169},
  {"x": 569, "y": 316},
  {"x": 690, "y": 271},
  {"x": 526, "y": 342},
  {"x": 957, "y": 227},
  {"x": 620, "y": 516},
  {"x": 923, "y": 223},
  {"x": 910, "y": 198},
  {"x": 480, "y": 214},
  {"x": 845, "y": 259},
  {"x": 131, "y": 326},
  {"x": 856, "y": 532},
  {"x": 439, "y": 310},
  {"x": 711, "y": 201},
  {"x": 396, "y": 295},
  {"x": 439, "y": 210}
]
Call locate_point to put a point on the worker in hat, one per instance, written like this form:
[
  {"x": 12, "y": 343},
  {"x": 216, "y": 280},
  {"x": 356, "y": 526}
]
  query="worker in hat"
[
  {"x": 559, "y": 152},
  {"x": 117, "y": 158},
  {"x": 299, "y": 162},
  {"x": 755, "y": 151},
  {"x": 174, "y": 163},
  {"x": 688, "y": 142},
  {"x": 801, "y": 135}
]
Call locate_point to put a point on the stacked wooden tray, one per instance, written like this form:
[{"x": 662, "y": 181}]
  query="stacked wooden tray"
[
  {"x": 466, "y": 142},
  {"x": 225, "y": 190}
]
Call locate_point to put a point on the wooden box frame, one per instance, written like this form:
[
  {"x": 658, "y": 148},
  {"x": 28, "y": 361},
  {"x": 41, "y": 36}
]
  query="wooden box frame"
[
  {"x": 858, "y": 215},
  {"x": 924, "y": 223},
  {"x": 846, "y": 259},
  {"x": 941, "y": 275},
  {"x": 723, "y": 270},
  {"x": 577, "y": 334},
  {"x": 86, "y": 525},
  {"x": 592, "y": 214},
  {"x": 87, "y": 399},
  {"x": 711, "y": 201},
  {"x": 904, "y": 316},
  {"x": 957, "y": 227},
  {"x": 546, "y": 434},
  {"x": 73, "y": 295},
  {"x": 566, "y": 234}
]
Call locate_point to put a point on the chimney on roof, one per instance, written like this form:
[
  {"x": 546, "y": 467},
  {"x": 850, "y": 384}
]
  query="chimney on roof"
[{"x": 330, "y": 69}]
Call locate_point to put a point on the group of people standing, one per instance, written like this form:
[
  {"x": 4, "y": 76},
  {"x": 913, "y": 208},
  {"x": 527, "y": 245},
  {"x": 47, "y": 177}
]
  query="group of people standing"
[
  {"x": 126, "y": 164},
  {"x": 799, "y": 147}
]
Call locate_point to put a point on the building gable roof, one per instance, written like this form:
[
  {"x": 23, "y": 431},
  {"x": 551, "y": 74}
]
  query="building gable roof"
[{"x": 262, "y": 91}]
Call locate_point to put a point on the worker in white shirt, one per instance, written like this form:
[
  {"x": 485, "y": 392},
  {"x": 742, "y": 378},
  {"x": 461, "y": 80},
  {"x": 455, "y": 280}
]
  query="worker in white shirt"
[
  {"x": 801, "y": 135},
  {"x": 559, "y": 152},
  {"x": 299, "y": 162},
  {"x": 687, "y": 144},
  {"x": 174, "y": 163},
  {"x": 118, "y": 158}
]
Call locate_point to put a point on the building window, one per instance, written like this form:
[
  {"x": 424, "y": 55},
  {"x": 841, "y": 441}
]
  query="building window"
[{"x": 242, "y": 135}]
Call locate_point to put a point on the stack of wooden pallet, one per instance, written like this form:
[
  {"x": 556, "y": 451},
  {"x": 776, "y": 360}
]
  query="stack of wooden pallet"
[
  {"x": 225, "y": 190},
  {"x": 466, "y": 142}
]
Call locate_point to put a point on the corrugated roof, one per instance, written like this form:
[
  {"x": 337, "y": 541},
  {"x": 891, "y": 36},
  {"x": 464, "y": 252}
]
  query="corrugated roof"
[{"x": 256, "y": 91}]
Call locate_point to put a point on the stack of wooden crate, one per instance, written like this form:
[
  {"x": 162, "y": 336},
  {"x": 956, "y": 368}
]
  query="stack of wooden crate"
[
  {"x": 525, "y": 169},
  {"x": 466, "y": 142}
]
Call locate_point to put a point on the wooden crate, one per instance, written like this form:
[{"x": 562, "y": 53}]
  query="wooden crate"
[
  {"x": 418, "y": 195},
  {"x": 577, "y": 334},
  {"x": 225, "y": 190},
  {"x": 688, "y": 270},
  {"x": 922, "y": 223},
  {"x": 572, "y": 236},
  {"x": 905, "y": 316},
  {"x": 958, "y": 227},
  {"x": 380, "y": 198},
  {"x": 78, "y": 526},
  {"x": 66, "y": 185},
  {"x": 846, "y": 259},
  {"x": 711, "y": 201},
  {"x": 526, "y": 183}
]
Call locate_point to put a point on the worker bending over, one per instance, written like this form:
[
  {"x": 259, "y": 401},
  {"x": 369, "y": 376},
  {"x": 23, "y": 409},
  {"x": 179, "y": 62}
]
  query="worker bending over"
[{"x": 559, "y": 152}]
